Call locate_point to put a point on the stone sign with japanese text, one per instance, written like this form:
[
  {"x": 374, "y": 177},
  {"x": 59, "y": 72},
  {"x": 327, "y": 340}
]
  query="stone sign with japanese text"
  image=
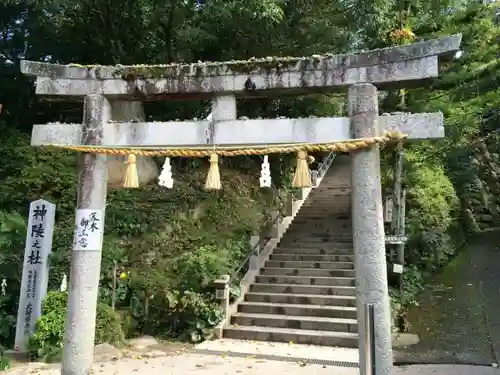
[{"x": 35, "y": 269}]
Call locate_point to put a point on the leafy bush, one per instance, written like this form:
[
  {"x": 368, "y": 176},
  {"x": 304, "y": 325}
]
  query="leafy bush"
[
  {"x": 4, "y": 363},
  {"x": 7, "y": 321},
  {"x": 199, "y": 315},
  {"x": 432, "y": 210},
  {"x": 175, "y": 314},
  {"x": 432, "y": 215},
  {"x": 195, "y": 271},
  {"x": 108, "y": 326},
  {"x": 48, "y": 339},
  {"x": 12, "y": 237},
  {"x": 198, "y": 269}
]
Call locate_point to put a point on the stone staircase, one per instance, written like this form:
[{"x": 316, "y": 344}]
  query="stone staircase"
[{"x": 305, "y": 293}]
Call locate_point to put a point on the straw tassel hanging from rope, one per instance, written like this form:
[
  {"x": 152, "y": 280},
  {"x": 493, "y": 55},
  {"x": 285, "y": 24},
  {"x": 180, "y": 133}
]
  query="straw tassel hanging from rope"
[
  {"x": 131, "y": 178},
  {"x": 302, "y": 177},
  {"x": 213, "y": 177}
]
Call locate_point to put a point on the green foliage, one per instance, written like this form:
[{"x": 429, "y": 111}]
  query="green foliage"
[
  {"x": 108, "y": 326},
  {"x": 432, "y": 210},
  {"x": 198, "y": 314},
  {"x": 174, "y": 314},
  {"x": 12, "y": 237},
  {"x": 197, "y": 270},
  {"x": 33, "y": 174},
  {"x": 7, "y": 320},
  {"x": 47, "y": 341},
  {"x": 4, "y": 363},
  {"x": 50, "y": 326},
  {"x": 468, "y": 95}
]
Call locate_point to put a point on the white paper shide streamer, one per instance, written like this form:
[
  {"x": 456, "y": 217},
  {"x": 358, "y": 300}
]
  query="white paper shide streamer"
[
  {"x": 64, "y": 283},
  {"x": 165, "y": 178},
  {"x": 4, "y": 281},
  {"x": 265, "y": 173}
]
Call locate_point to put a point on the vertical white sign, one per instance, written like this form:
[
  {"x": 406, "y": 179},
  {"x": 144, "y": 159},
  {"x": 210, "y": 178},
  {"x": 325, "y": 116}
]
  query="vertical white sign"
[
  {"x": 388, "y": 209},
  {"x": 35, "y": 269},
  {"x": 89, "y": 230}
]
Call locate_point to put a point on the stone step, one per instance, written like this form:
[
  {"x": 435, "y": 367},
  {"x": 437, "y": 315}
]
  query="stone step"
[
  {"x": 322, "y": 216},
  {"x": 297, "y": 336},
  {"x": 295, "y": 322},
  {"x": 340, "y": 239},
  {"x": 311, "y": 272},
  {"x": 316, "y": 265},
  {"x": 324, "y": 209},
  {"x": 333, "y": 185},
  {"x": 317, "y": 225},
  {"x": 297, "y": 257},
  {"x": 336, "y": 182},
  {"x": 325, "y": 190},
  {"x": 297, "y": 231},
  {"x": 343, "y": 312},
  {"x": 318, "y": 300},
  {"x": 341, "y": 236},
  {"x": 323, "y": 245},
  {"x": 332, "y": 220},
  {"x": 345, "y": 217},
  {"x": 338, "y": 290},
  {"x": 327, "y": 203},
  {"x": 329, "y": 200},
  {"x": 321, "y": 227},
  {"x": 304, "y": 280},
  {"x": 313, "y": 250}
]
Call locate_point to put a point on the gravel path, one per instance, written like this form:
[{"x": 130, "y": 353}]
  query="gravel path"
[{"x": 459, "y": 320}]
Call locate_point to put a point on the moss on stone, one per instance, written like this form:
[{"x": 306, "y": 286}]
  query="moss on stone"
[{"x": 200, "y": 69}]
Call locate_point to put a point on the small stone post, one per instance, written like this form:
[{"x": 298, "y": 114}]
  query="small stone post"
[
  {"x": 368, "y": 228},
  {"x": 300, "y": 193},
  {"x": 255, "y": 249},
  {"x": 289, "y": 205},
  {"x": 222, "y": 293},
  {"x": 314, "y": 178},
  {"x": 79, "y": 333},
  {"x": 275, "y": 215}
]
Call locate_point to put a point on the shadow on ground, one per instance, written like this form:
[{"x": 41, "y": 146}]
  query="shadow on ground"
[{"x": 458, "y": 320}]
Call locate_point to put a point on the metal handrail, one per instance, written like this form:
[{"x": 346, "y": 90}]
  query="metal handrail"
[
  {"x": 325, "y": 162},
  {"x": 254, "y": 250}
]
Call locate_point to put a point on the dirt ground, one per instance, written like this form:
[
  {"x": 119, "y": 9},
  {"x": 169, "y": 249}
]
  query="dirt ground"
[{"x": 186, "y": 364}]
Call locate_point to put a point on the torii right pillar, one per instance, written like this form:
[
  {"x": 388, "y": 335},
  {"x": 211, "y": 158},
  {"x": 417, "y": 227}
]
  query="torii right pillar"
[{"x": 368, "y": 229}]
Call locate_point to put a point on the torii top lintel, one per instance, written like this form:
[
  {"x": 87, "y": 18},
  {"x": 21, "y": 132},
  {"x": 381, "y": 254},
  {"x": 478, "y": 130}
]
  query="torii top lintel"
[{"x": 387, "y": 67}]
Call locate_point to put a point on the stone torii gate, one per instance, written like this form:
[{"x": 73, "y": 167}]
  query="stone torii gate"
[{"x": 103, "y": 88}]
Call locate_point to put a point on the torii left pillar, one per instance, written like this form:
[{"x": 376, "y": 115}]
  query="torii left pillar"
[{"x": 83, "y": 288}]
